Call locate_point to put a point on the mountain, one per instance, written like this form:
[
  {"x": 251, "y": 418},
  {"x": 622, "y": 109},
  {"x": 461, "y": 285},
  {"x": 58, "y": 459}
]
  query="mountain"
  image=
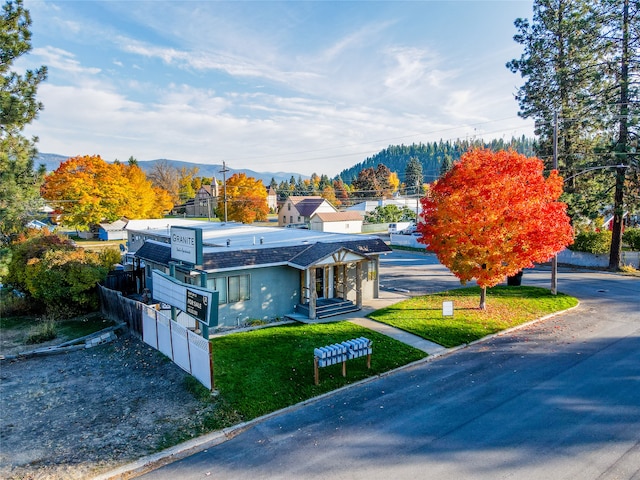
[{"x": 52, "y": 161}]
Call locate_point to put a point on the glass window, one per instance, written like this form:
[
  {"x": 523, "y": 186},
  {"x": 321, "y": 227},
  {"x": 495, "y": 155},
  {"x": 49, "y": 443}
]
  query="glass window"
[
  {"x": 238, "y": 288},
  {"x": 220, "y": 286}
]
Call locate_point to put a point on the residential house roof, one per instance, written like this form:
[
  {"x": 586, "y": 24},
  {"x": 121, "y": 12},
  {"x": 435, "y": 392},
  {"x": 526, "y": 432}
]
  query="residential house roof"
[
  {"x": 338, "y": 216},
  {"x": 307, "y": 206}
]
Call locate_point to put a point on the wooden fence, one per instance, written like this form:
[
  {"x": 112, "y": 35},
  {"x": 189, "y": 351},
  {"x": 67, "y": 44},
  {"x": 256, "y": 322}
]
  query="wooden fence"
[
  {"x": 119, "y": 308},
  {"x": 127, "y": 282}
]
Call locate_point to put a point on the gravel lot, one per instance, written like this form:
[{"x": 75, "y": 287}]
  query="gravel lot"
[{"x": 77, "y": 414}]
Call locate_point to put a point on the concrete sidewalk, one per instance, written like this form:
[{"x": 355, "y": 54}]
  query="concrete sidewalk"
[{"x": 385, "y": 299}]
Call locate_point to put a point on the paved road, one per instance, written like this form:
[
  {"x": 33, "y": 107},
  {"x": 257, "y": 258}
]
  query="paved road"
[{"x": 556, "y": 400}]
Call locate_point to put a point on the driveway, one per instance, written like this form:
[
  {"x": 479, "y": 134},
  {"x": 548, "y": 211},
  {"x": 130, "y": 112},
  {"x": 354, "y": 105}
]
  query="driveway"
[{"x": 558, "y": 399}]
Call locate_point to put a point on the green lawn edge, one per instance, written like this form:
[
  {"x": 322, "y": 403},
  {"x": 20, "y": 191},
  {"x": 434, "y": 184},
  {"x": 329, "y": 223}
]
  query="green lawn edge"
[{"x": 507, "y": 307}]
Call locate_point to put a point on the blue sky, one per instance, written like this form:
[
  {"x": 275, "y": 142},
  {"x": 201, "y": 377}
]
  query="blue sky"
[{"x": 296, "y": 86}]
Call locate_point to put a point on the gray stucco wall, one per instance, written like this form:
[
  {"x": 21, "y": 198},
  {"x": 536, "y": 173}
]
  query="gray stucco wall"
[{"x": 274, "y": 292}]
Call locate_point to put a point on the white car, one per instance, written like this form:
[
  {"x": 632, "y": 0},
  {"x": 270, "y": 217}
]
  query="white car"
[{"x": 410, "y": 230}]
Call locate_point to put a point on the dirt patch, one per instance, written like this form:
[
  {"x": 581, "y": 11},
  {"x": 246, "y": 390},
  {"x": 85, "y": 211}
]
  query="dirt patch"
[{"x": 77, "y": 414}]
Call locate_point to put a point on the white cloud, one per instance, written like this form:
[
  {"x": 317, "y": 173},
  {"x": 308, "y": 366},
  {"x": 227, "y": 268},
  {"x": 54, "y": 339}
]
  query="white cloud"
[{"x": 58, "y": 59}]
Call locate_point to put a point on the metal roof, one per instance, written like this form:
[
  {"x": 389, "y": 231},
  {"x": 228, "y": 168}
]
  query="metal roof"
[{"x": 234, "y": 246}]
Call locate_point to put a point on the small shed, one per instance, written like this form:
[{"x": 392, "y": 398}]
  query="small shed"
[
  {"x": 113, "y": 231},
  {"x": 336, "y": 222}
]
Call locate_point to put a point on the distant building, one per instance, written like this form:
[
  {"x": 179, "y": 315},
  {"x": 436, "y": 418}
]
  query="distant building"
[
  {"x": 272, "y": 199},
  {"x": 113, "y": 231},
  {"x": 336, "y": 222},
  {"x": 205, "y": 201},
  {"x": 299, "y": 210}
]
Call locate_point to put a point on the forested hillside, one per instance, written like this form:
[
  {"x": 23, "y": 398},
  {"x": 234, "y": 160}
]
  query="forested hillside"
[{"x": 432, "y": 156}]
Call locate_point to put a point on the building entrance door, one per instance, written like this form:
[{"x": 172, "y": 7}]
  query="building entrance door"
[{"x": 320, "y": 282}]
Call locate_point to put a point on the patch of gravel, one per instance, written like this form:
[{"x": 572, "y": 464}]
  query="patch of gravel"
[{"x": 77, "y": 414}]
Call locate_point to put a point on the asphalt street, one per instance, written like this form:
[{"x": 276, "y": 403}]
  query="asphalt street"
[{"x": 559, "y": 399}]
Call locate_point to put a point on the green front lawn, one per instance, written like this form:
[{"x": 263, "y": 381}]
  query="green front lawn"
[
  {"x": 506, "y": 308},
  {"x": 264, "y": 370}
]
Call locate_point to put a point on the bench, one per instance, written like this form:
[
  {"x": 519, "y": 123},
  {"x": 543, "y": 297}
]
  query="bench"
[{"x": 340, "y": 353}]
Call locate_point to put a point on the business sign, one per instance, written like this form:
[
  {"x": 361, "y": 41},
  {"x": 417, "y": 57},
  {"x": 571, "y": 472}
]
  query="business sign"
[
  {"x": 186, "y": 245},
  {"x": 447, "y": 309},
  {"x": 197, "y": 305},
  {"x": 197, "y": 302}
]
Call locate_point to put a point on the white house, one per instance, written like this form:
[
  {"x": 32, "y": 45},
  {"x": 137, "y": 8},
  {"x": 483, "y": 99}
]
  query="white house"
[{"x": 336, "y": 222}]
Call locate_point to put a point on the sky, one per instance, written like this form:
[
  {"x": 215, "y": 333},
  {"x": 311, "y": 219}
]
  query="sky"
[{"x": 295, "y": 86}]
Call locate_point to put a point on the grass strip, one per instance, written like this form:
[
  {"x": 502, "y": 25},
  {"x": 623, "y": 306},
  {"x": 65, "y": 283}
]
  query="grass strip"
[
  {"x": 264, "y": 370},
  {"x": 506, "y": 307}
]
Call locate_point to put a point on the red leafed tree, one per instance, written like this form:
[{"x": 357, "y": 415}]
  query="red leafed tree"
[{"x": 493, "y": 214}]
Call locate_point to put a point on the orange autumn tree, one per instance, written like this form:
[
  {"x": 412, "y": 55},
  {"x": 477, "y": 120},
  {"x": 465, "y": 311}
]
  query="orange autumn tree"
[
  {"x": 493, "y": 214},
  {"x": 246, "y": 199},
  {"x": 87, "y": 190}
]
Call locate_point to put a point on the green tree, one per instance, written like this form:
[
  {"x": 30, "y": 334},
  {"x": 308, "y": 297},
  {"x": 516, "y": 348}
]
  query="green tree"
[
  {"x": 581, "y": 63},
  {"x": 413, "y": 177},
  {"x": 558, "y": 68},
  {"x": 389, "y": 214},
  {"x": 20, "y": 192},
  {"x": 622, "y": 92}
]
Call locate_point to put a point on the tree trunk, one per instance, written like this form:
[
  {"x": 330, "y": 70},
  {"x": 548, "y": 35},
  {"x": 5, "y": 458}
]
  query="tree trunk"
[
  {"x": 483, "y": 298},
  {"x": 622, "y": 146}
]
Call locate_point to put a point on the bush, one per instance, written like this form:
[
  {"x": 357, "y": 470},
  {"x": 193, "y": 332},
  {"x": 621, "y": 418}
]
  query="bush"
[
  {"x": 43, "y": 332},
  {"x": 58, "y": 276},
  {"x": 109, "y": 257},
  {"x": 14, "y": 304},
  {"x": 592, "y": 242},
  {"x": 631, "y": 237}
]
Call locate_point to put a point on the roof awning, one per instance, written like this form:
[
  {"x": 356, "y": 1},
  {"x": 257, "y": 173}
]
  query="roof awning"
[{"x": 325, "y": 254}]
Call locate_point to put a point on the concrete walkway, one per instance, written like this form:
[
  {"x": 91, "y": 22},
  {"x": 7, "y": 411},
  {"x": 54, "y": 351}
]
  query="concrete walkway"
[{"x": 385, "y": 299}]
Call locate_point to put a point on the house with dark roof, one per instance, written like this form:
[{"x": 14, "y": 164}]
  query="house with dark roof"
[
  {"x": 299, "y": 210},
  {"x": 266, "y": 273}
]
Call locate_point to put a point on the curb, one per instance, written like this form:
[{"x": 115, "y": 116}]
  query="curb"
[{"x": 152, "y": 462}]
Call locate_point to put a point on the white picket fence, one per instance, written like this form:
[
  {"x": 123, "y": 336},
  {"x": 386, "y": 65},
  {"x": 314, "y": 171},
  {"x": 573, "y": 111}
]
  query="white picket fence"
[{"x": 188, "y": 350}]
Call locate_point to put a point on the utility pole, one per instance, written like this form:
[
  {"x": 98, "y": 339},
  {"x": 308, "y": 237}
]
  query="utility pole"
[
  {"x": 224, "y": 188},
  {"x": 554, "y": 260}
]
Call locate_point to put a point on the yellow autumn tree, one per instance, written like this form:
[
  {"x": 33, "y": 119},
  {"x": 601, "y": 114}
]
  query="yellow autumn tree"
[
  {"x": 85, "y": 190},
  {"x": 246, "y": 200}
]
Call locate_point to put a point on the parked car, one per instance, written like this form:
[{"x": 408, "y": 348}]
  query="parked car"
[
  {"x": 398, "y": 227},
  {"x": 410, "y": 230}
]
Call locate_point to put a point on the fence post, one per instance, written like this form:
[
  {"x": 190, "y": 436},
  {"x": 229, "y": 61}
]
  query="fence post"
[{"x": 213, "y": 385}]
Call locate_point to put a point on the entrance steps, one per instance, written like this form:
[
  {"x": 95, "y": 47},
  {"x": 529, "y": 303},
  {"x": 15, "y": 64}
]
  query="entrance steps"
[{"x": 326, "y": 307}]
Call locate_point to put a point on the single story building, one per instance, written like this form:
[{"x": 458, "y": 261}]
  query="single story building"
[
  {"x": 265, "y": 273},
  {"x": 113, "y": 231},
  {"x": 336, "y": 222}
]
